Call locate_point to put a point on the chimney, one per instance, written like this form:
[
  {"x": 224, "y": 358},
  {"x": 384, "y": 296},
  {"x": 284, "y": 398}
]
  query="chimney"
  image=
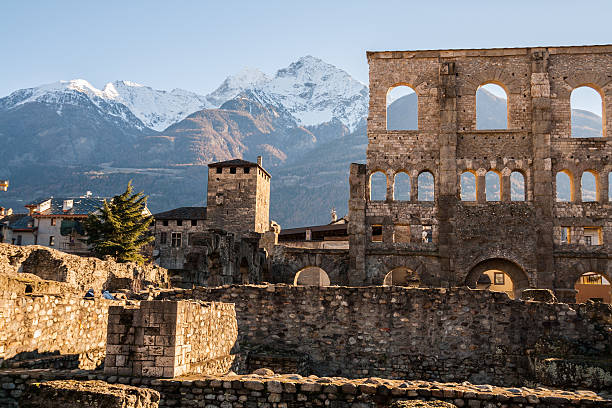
[
  {"x": 334, "y": 216},
  {"x": 259, "y": 161},
  {"x": 68, "y": 204},
  {"x": 88, "y": 193}
]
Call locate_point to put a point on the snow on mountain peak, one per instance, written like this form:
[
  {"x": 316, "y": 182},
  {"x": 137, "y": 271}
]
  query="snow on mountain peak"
[{"x": 247, "y": 78}]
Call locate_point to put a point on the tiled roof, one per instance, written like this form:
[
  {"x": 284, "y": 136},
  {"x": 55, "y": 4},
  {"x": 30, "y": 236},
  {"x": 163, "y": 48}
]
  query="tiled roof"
[
  {"x": 10, "y": 219},
  {"x": 80, "y": 205},
  {"x": 182, "y": 213},
  {"x": 24, "y": 223}
]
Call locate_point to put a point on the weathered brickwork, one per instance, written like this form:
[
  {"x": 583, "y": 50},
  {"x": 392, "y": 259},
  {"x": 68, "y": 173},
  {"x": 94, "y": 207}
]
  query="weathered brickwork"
[
  {"x": 169, "y": 339},
  {"x": 294, "y": 391},
  {"x": 49, "y": 323},
  {"x": 81, "y": 272},
  {"x": 523, "y": 237},
  {"x": 396, "y": 332}
]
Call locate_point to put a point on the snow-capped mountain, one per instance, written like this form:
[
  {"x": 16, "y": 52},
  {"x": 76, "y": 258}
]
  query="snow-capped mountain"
[
  {"x": 156, "y": 109},
  {"x": 315, "y": 92},
  {"x": 233, "y": 85}
]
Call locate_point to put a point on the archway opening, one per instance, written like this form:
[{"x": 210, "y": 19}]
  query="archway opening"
[
  {"x": 593, "y": 286},
  {"x": 311, "y": 276},
  {"x": 493, "y": 186},
  {"x": 517, "y": 186},
  {"x": 402, "y": 108},
  {"x": 491, "y": 107},
  {"x": 244, "y": 271},
  {"x": 378, "y": 186},
  {"x": 401, "y": 187},
  {"x": 588, "y": 186},
  {"x": 468, "y": 186},
  {"x": 564, "y": 188},
  {"x": 401, "y": 276},
  {"x": 587, "y": 112},
  {"x": 498, "y": 275},
  {"x": 425, "y": 186}
]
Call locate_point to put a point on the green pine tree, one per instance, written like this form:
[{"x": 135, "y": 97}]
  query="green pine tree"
[{"x": 120, "y": 228}]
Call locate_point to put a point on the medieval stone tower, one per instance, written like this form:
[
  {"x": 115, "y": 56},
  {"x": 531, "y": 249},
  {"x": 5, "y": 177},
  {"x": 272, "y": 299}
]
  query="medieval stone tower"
[{"x": 238, "y": 196}]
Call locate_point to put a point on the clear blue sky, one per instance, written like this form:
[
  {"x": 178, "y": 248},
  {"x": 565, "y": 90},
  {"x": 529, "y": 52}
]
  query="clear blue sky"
[{"x": 195, "y": 44}]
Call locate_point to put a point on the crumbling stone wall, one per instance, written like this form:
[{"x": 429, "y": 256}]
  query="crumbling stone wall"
[
  {"x": 537, "y": 143},
  {"x": 396, "y": 332},
  {"x": 81, "y": 272},
  {"x": 169, "y": 339},
  {"x": 294, "y": 391},
  {"x": 285, "y": 262},
  {"x": 46, "y": 320}
]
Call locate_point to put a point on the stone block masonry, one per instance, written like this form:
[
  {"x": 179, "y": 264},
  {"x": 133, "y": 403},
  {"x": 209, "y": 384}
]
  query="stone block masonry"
[
  {"x": 452, "y": 334},
  {"x": 294, "y": 391},
  {"x": 170, "y": 338},
  {"x": 49, "y": 320}
]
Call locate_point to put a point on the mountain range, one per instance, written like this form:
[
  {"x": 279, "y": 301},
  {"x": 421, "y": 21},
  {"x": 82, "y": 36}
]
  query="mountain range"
[{"x": 308, "y": 121}]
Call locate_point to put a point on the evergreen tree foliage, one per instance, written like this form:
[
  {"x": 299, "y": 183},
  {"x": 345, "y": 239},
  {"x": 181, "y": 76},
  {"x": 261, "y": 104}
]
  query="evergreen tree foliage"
[{"x": 120, "y": 228}]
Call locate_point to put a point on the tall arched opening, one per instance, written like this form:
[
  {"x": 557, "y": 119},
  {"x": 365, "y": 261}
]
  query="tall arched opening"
[{"x": 593, "y": 286}]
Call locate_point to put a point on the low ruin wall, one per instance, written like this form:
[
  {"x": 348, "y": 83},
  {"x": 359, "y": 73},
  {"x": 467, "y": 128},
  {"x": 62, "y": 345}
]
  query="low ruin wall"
[
  {"x": 49, "y": 323},
  {"x": 169, "y": 339},
  {"x": 293, "y": 391},
  {"x": 416, "y": 333},
  {"x": 81, "y": 272}
]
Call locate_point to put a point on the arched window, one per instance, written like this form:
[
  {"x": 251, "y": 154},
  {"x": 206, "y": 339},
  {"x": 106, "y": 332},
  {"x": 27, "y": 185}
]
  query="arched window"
[
  {"x": 468, "y": 186},
  {"x": 378, "y": 186},
  {"x": 402, "y": 108},
  {"x": 311, "y": 276},
  {"x": 564, "y": 186},
  {"x": 587, "y": 112},
  {"x": 517, "y": 186},
  {"x": 426, "y": 186},
  {"x": 588, "y": 184},
  {"x": 491, "y": 107},
  {"x": 401, "y": 187},
  {"x": 493, "y": 186}
]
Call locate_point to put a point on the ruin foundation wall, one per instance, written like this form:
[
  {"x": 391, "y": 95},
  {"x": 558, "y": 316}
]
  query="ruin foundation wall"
[{"x": 452, "y": 334}]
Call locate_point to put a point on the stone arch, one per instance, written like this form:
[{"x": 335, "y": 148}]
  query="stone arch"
[
  {"x": 425, "y": 192},
  {"x": 516, "y": 273},
  {"x": 589, "y": 185},
  {"x": 401, "y": 276},
  {"x": 387, "y": 264},
  {"x": 518, "y": 186},
  {"x": 493, "y": 176},
  {"x": 401, "y": 186},
  {"x": 487, "y": 123},
  {"x": 401, "y": 116},
  {"x": 311, "y": 276},
  {"x": 567, "y": 276},
  {"x": 378, "y": 187},
  {"x": 564, "y": 181},
  {"x": 468, "y": 186},
  {"x": 575, "y": 128}
]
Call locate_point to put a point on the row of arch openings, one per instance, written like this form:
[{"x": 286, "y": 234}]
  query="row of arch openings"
[
  {"x": 469, "y": 186},
  {"x": 590, "y": 186},
  {"x": 402, "y": 186},
  {"x": 492, "y": 111}
]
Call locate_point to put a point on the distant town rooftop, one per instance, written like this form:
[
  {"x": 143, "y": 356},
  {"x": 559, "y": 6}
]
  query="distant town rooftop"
[{"x": 182, "y": 213}]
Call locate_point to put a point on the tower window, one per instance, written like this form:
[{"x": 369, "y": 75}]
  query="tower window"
[
  {"x": 194, "y": 223},
  {"x": 247, "y": 170},
  {"x": 179, "y": 223},
  {"x": 219, "y": 170},
  {"x": 232, "y": 170}
]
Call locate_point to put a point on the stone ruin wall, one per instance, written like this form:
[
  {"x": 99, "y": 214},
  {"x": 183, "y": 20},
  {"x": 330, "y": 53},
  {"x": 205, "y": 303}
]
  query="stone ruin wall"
[
  {"x": 537, "y": 143},
  {"x": 288, "y": 391},
  {"x": 170, "y": 339},
  {"x": 51, "y": 321},
  {"x": 395, "y": 332},
  {"x": 81, "y": 272}
]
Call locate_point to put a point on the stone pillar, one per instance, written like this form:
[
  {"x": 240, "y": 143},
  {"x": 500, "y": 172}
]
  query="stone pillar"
[
  {"x": 357, "y": 224},
  {"x": 447, "y": 187},
  {"x": 481, "y": 188},
  {"x": 602, "y": 189},
  {"x": 543, "y": 194},
  {"x": 506, "y": 192}
]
